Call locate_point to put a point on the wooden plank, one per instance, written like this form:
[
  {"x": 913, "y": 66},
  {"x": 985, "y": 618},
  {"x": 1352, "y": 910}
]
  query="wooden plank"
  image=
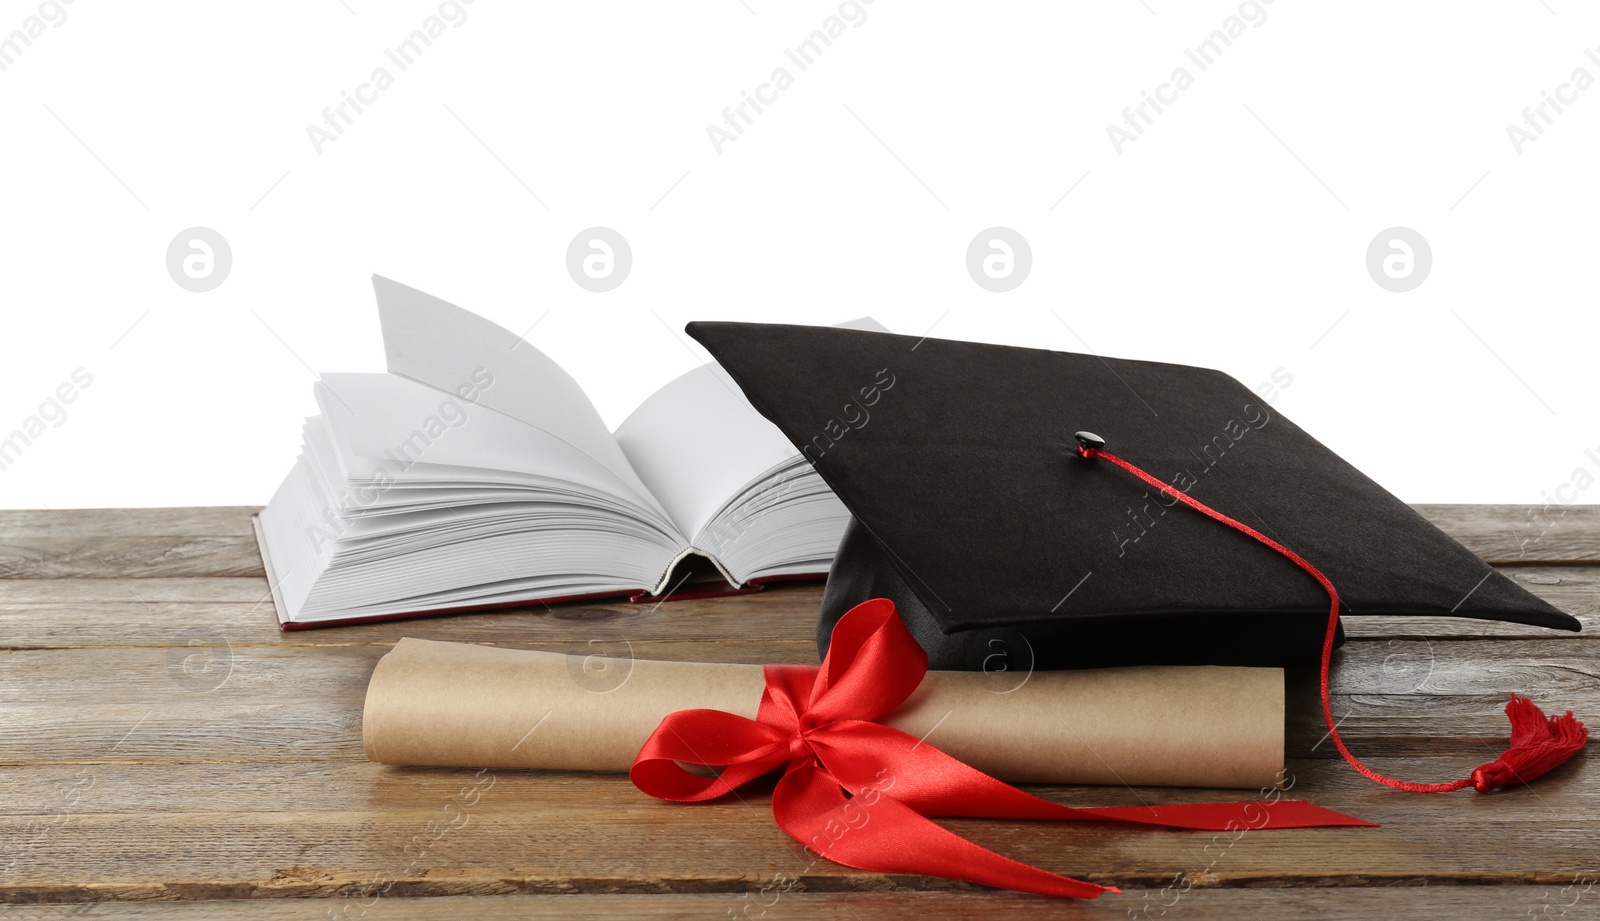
[
  {"x": 1515, "y": 534},
  {"x": 106, "y": 613},
  {"x": 27, "y": 526},
  {"x": 143, "y": 831},
  {"x": 130, "y": 557},
  {"x": 128, "y": 543},
  {"x": 1574, "y": 899},
  {"x": 734, "y": 630},
  {"x": 94, "y": 612},
  {"x": 205, "y": 699},
  {"x": 88, "y": 591},
  {"x": 1573, "y": 589},
  {"x": 212, "y": 542}
]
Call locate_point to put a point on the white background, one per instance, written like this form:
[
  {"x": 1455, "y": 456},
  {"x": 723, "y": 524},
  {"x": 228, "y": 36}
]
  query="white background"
[{"x": 1231, "y": 234}]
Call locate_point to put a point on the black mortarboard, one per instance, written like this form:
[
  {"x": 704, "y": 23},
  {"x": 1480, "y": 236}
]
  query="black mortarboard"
[{"x": 1003, "y": 548}]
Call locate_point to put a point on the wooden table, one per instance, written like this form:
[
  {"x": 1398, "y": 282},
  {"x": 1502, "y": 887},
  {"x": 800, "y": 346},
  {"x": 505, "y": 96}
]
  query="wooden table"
[{"x": 163, "y": 746}]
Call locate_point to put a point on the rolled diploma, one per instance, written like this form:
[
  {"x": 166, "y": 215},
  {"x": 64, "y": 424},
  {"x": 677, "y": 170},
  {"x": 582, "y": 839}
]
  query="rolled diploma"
[{"x": 463, "y": 705}]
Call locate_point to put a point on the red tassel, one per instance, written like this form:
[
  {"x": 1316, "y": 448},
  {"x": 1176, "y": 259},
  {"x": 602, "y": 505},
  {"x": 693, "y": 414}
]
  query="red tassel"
[{"x": 1539, "y": 744}]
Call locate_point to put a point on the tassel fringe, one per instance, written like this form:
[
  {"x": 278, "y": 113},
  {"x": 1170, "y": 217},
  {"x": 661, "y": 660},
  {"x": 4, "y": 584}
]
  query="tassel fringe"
[{"x": 1539, "y": 744}]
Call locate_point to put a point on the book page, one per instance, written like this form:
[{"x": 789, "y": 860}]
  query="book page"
[
  {"x": 397, "y": 430},
  {"x": 697, "y": 442},
  {"x": 439, "y": 344}
]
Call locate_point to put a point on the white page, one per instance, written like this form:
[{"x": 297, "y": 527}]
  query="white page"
[
  {"x": 697, "y": 442},
  {"x": 441, "y": 345},
  {"x": 401, "y": 427}
]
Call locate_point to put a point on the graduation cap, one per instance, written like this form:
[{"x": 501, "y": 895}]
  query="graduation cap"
[
  {"x": 975, "y": 511},
  {"x": 985, "y": 506}
]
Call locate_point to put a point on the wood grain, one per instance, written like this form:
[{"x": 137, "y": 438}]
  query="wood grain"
[
  {"x": 162, "y": 543},
  {"x": 319, "y": 829},
  {"x": 27, "y": 526},
  {"x": 71, "y": 557},
  {"x": 784, "y": 615},
  {"x": 1516, "y": 534},
  {"x": 209, "y": 700},
  {"x": 1573, "y": 900},
  {"x": 124, "y": 589},
  {"x": 779, "y": 622}
]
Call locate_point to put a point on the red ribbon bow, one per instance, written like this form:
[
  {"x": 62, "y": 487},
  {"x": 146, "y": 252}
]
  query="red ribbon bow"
[{"x": 859, "y": 793}]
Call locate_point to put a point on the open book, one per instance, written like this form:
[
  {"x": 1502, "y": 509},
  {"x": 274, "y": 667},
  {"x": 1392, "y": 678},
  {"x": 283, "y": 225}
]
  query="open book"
[{"x": 477, "y": 473}]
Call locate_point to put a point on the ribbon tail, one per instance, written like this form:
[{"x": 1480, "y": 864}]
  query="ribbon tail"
[
  {"x": 864, "y": 754},
  {"x": 878, "y": 833}
]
